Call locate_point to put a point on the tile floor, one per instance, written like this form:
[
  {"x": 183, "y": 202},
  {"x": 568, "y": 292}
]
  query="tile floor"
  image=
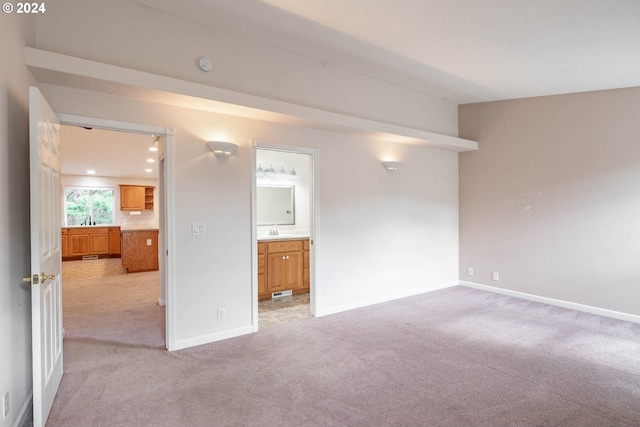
[{"x": 281, "y": 310}]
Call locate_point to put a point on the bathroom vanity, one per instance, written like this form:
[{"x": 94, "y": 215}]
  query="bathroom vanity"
[{"x": 283, "y": 264}]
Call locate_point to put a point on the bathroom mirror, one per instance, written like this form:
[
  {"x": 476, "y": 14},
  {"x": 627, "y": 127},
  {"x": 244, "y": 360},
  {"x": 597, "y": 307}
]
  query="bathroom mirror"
[{"x": 275, "y": 205}]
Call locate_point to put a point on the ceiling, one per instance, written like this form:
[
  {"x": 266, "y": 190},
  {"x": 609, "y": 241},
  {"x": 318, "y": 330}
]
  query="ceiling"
[
  {"x": 462, "y": 50},
  {"x": 109, "y": 153}
]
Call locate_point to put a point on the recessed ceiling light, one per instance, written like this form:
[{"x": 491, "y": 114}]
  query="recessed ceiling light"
[
  {"x": 91, "y": 172},
  {"x": 153, "y": 148},
  {"x": 148, "y": 170},
  {"x": 150, "y": 161}
]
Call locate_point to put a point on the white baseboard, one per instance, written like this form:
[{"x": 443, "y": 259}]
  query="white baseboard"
[
  {"x": 24, "y": 411},
  {"x": 559, "y": 303},
  {"x": 365, "y": 303},
  {"x": 209, "y": 338}
]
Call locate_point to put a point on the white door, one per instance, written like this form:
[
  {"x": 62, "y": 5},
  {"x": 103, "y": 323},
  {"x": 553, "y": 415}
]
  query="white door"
[{"x": 46, "y": 280}]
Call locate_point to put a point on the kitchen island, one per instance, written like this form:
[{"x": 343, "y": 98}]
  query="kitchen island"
[{"x": 140, "y": 250}]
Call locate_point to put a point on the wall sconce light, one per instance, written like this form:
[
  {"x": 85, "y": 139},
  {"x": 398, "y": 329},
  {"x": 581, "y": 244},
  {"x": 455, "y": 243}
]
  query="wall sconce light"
[
  {"x": 391, "y": 166},
  {"x": 222, "y": 149}
]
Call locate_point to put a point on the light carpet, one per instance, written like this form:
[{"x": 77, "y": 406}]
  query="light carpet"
[{"x": 452, "y": 357}]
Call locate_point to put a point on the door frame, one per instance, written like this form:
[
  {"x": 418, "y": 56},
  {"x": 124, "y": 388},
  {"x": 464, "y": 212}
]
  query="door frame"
[
  {"x": 168, "y": 209},
  {"x": 313, "y": 230}
]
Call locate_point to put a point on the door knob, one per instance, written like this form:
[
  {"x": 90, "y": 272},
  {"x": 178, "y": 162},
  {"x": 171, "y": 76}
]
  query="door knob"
[
  {"x": 44, "y": 277},
  {"x": 35, "y": 279}
]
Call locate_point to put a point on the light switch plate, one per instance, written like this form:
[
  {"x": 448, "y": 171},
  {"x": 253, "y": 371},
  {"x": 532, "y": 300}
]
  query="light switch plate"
[{"x": 198, "y": 229}]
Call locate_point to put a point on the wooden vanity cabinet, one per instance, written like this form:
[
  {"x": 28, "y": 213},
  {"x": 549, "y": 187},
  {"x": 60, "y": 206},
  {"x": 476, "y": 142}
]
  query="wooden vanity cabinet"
[
  {"x": 136, "y": 197},
  {"x": 285, "y": 271},
  {"x": 262, "y": 262},
  {"x": 305, "y": 272},
  {"x": 281, "y": 267}
]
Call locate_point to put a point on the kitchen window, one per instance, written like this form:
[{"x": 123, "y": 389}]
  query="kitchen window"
[{"x": 88, "y": 206}]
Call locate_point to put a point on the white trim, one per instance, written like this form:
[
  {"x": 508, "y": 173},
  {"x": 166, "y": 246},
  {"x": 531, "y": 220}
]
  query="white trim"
[
  {"x": 24, "y": 411},
  {"x": 107, "y": 78},
  {"x": 313, "y": 230},
  {"x": 556, "y": 302},
  {"x": 213, "y": 337},
  {"x": 170, "y": 241},
  {"x": 314, "y": 302},
  {"x": 169, "y": 232},
  {"x": 254, "y": 242},
  {"x": 365, "y": 303},
  {"x": 74, "y": 120}
]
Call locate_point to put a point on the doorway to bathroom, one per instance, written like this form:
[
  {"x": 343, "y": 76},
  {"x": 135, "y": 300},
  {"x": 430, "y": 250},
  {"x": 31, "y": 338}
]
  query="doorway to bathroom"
[{"x": 283, "y": 228}]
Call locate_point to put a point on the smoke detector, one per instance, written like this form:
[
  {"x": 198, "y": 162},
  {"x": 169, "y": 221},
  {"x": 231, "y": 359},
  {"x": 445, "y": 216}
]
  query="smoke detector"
[{"x": 205, "y": 64}]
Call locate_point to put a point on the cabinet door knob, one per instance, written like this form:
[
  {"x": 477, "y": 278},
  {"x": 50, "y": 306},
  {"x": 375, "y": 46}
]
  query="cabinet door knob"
[{"x": 284, "y": 258}]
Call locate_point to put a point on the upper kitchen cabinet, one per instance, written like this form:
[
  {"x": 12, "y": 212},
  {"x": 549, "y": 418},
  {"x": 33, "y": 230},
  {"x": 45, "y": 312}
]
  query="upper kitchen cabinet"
[{"x": 136, "y": 198}]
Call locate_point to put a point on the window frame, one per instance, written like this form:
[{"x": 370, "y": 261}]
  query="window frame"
[{"x": 89, "y": 188}]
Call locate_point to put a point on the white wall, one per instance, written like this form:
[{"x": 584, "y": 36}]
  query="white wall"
[
  {"x": 551, "y": 199},
  {"x": 380, "y": 235},
  {"x": 133, "y": 36},
  {"x": 146, "y": 219},
  {"x": 15, "y": 297}
]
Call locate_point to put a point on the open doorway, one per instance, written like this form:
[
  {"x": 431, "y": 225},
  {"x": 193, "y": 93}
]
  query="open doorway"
[
  {"x": 284, "y": 230},
  {"x": 112, "y": 266}
]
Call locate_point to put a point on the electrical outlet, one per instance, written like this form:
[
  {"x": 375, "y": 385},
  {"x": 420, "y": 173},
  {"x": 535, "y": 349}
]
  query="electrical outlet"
[
  {"x": 5, "y": 405},
  {"x": 222, "y": 314},
  {"x": 496, "y": 276},
  {"x": 470, "y": 271}
]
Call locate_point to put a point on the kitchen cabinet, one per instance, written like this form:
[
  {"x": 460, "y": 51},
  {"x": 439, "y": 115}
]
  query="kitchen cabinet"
[
  {"x": 139, "y": 250},
  {"x": 64, "y": 247},
  {"x": 78, "y": 242},
  {"x": 136, "y": 197},
  {"x": 114, "y": 241},
  {"x": 281, "y": 266}
]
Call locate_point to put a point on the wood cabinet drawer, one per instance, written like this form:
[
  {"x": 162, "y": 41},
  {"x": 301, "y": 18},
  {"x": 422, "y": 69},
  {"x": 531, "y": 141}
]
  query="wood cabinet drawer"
[
  {"x": 262, "y": 248},
  {"x": 64, "y": 231},
  {"x": 284, "y": 246}
]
